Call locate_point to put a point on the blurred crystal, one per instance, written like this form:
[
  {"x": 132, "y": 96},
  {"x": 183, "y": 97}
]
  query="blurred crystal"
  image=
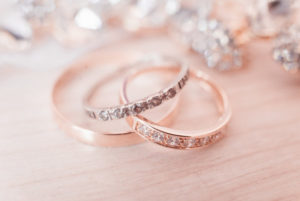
[
  {"x": 267, "y": 17},
  {"x": 208, "y": 38},
  {"x": 87, "y": 19},
  {"x": 149, "y": 13},
  {"x": 78, "y": 21},
  {"x": 36, "y": 10},
  {"x": 287, "y": 49},
  {"x": 215, "y": 43},
  {"x": 183, "y": 24},
  {"x": 15, "y": 32}
]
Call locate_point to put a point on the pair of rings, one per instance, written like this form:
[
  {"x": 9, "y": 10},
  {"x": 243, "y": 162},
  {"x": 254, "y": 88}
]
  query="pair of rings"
[{"x": 142, "y": 128}]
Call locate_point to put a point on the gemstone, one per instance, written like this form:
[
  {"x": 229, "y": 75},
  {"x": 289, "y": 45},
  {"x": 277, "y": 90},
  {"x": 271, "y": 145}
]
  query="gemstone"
[
  {"x": 171, "y": 93},
  {"x": 181, "y": 83},
  {"x": 155, "y": 101},
  {"x": 268, "y": 17},
  {"x": 80, "y": 21},
  {"x": 37, "y": 10},
  {"x": 125, "y": 111},
  {"x": 87, "y": 19},
  {"x": 148, "y": 13},
  {"x": 16, "y": 33},
  {"x": 173, "y": 141},
  {"x": 116, "y": 113},
  {"x": 143, "y": 105},
  {"x": 141, "y": 128},
  {"x": 91, "y": 114},
  {"x": 131, "y": 110},
  {"x": 205, "y": 140},
  {"x": 291, "y": 66},
  {"x": 104, "y": 115},
  {"x": 216, "y": 137},
  {"x": 183, "y": 24},
  {"x": 215, "y": 43},
  {"x": 189, "y": 142},
  {"x": 158, "y": 137},
  {"x": 286, "y": 50},
  {"x": 136, "y": 109},
  {"x": 208, "y": 38}
]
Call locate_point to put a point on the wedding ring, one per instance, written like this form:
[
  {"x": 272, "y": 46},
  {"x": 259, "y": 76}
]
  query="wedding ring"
[
  {"x": 134, "y": 108},
  {"x": 181, "y": 139},
  {"x": 75, "y": 122}
]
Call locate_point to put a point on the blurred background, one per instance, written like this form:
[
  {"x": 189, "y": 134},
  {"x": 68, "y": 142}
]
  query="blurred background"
[
  {"x": 35, "y": 31},
  {"x": 250, "y": 47}
]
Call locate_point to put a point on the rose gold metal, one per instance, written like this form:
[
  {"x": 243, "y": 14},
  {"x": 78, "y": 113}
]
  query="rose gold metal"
[
  {"x": 136, "y": 107},
  {"x": 83, "y": 132},
  {"x": 181, "y": 139}
]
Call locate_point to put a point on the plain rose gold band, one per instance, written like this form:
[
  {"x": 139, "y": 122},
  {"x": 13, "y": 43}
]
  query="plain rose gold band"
[
  {"x": 181, "y": 139},
  {"x": 82, "y": 132}
]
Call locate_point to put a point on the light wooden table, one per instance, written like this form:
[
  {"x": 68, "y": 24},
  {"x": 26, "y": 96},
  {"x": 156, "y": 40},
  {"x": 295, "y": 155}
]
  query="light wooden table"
[{"x": 258, "y": 160}]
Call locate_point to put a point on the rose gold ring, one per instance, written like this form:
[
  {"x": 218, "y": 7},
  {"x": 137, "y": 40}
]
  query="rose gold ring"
[
  {"x": 136, "y": 107},
  {"x": 181, "y": 139},
  {"x": 75, "y": 122}
]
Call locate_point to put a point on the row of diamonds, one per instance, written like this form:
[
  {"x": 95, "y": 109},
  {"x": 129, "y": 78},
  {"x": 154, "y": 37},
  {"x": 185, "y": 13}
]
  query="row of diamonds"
[
  {"x": 136, "y": 108},
  {"x": 175, "y": 141}
]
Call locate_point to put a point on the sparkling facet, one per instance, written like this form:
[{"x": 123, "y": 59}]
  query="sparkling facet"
[
  {"x": 149, "y": 13},
  {"x": 173, "y": 141},
  {"x": 158, "y": 137},
  {"x": 15, "y": 32},
  {"x": 287, "y": 49},
  {"x": 37, "y": 10},
  {"x": 104, "y": 115},
  {"x": 216, "y": 137},
  {"x": 136, "y": 109},
  {"x": 88, "y": 19},
  {"x": 268, "y": 17},
  {"x": 155, "y": 101},
  {"x": 205, "y": 140},
  {"x": 116, "y": 113},
  {"x": 91, "y": 114},
  {"x": 189, "y": 142},
  {"x": 171, "y": 93},
  {"x": 144, "y": 130},
  {"x": 212, "y": 40}
]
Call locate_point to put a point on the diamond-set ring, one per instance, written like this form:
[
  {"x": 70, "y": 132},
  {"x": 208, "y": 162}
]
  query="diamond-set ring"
[
  {"x": 141, "y": 105},
  {"x": 181, "y": 139}
]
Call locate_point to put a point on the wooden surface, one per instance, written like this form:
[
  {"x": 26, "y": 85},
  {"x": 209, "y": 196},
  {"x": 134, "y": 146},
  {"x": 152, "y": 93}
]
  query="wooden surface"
[{"x": 258, "y": 160}]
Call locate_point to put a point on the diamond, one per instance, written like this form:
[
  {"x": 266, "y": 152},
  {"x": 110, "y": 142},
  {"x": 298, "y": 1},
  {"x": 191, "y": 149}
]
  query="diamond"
[
  {"x": 286, "y": 49},
  {"x": 91, "y": 114},
  {"x": 37, "y": 10},
  {"x": 136, "y": 109},
  {"x": 116, "y": 113},
  {"x": 189, "y": 142},
  {"x": 215, "y": 137},
  {"x": 142, "y": 105},
  {"x": 291, "y": 66},
  {"x": 155, "y": 101},
  {"x": 205, "y": 140},
  {"x": 88, "y": 19},
  {"x": 131, "y": 110},
  {"x": 104, "y": 115},
  {"x": 171, "y": 93},
  {"x": 149, "y": 13},
  {"x": 181, "y": 83},
  {"x": 158, "y": 137},
  {"x": 125, "y": 111},
  {"x": 173, "y": 141},
  {"x": 267, "y": 18},
  {"x": 144, "y": 130}
]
